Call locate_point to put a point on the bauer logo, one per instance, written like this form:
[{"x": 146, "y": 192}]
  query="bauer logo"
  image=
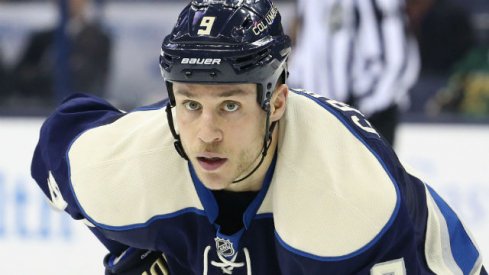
[{"x": 201, "y": 61}]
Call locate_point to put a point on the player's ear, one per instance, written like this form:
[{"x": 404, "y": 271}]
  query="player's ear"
[{"x": 278, "y": 102}]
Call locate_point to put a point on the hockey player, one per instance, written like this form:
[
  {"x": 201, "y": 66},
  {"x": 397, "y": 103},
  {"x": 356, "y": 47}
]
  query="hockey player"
[{"x": 264, "y": 180}]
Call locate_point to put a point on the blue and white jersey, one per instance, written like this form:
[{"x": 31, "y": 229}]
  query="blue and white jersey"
[{"x": 335, "y": 200}]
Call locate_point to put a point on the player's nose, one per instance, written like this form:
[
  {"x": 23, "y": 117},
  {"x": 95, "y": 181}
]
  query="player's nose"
[{"x": 209, "y": 130}]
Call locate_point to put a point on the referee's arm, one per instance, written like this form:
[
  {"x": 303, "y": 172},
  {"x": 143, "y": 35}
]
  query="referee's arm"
[{"x": 383, "y": 56}]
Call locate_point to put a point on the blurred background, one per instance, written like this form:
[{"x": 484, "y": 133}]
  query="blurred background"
[{"x": 50, "y": 49}]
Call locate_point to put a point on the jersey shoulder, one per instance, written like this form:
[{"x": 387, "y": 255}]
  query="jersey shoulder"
[
  {"x": 75, "y": 115},
  {"x": 344, "y": 166},
  {"x": 114, "y": 166}
]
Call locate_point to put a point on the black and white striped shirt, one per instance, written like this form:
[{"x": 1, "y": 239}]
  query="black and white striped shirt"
[{"x": 355, "y": 49}]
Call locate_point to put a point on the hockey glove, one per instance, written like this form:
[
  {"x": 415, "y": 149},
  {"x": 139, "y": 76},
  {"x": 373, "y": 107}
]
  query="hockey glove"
[{"x": 136, "y": 262}]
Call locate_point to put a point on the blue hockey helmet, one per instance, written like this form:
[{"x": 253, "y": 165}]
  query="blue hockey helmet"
[{"x": 227, "y": 41}]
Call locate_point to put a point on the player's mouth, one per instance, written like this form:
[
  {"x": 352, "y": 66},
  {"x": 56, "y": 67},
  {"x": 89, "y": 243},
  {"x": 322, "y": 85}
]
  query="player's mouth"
[{"x": 211, "y": 163}]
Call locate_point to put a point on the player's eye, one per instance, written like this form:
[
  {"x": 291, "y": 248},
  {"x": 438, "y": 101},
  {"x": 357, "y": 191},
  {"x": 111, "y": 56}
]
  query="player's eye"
[
  {"x": 192, "y": 105},
  {"x": 231, "y": 106}
]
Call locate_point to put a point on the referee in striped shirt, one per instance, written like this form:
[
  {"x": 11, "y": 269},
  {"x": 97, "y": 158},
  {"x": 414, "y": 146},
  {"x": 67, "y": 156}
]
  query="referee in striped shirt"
[{"x": 357, "y": 51}]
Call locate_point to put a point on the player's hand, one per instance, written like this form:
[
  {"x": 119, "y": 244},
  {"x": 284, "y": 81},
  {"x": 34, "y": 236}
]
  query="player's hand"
[{"x": 136, "y": 262}]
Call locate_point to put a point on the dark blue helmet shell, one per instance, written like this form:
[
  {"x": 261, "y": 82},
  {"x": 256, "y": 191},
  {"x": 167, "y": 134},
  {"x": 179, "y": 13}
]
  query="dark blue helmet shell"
[{"x": 227, "y": 41}]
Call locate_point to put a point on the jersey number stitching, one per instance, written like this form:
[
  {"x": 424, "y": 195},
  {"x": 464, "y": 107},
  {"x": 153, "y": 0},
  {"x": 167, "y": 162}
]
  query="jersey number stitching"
[
  {"x": 56, "y": 197},
  {"x": 158, "y": 267}
]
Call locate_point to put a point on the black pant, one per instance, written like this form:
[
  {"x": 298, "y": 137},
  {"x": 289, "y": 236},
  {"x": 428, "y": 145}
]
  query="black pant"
[{"x": 385, "y": 122}]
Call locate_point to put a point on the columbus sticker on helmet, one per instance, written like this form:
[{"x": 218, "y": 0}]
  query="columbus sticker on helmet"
[
  {"x": 269, "y": 18},
  {"x": 201, "y": 61}
]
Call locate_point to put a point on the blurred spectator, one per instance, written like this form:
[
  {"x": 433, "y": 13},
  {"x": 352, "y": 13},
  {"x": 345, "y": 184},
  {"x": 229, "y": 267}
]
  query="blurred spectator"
[
  {"x": 452, "y": 59},
  {"x": 89, "y": 59},
  {"x": 357, "y": 51},
  {"x": 467, "y": 91},
  {"x": 444, "y": 33}
]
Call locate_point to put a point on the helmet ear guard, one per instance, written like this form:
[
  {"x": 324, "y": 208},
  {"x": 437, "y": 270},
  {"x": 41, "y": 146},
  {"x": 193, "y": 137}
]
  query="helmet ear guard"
[{"x": 171, "y": 95}]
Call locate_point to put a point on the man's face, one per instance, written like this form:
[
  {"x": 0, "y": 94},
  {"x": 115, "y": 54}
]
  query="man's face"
[{"x": 221, "y": 129}]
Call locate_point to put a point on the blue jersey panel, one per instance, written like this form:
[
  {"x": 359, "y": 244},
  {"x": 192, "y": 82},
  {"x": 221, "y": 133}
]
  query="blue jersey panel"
[{"x": 463, "y": 250}]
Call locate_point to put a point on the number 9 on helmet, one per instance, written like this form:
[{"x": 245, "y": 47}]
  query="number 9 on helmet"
[{"x": 227, "y": 41}]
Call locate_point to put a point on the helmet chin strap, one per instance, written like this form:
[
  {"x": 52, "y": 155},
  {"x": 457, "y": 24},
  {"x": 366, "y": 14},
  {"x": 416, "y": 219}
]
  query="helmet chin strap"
[
  {"x": 267, "y": 141},
  {"x": 177, "y": 143}
]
